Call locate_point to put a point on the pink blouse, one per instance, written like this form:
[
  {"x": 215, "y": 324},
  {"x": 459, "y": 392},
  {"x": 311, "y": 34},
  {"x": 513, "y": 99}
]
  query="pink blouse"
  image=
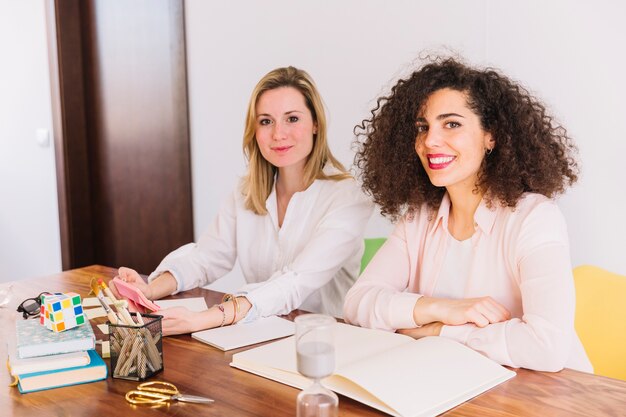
[{"x": 520, "y": 258}]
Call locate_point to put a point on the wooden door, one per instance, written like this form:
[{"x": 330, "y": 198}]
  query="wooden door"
[{"x": 121, "y": 130}]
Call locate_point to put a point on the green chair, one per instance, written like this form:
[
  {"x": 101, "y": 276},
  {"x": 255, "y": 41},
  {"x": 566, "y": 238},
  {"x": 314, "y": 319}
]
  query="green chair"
[{"x": 371, "y": 247}]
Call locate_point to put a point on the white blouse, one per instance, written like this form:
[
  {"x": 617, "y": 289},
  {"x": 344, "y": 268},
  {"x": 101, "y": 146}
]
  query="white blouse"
[
  {"x": 455, "y": 269},
  {"x": 309, "y": 263}
]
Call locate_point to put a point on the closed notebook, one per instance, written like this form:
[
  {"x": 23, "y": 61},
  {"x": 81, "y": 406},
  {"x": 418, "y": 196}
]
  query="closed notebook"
[
  {"x": 233, "y": 337},
  {"x": 33, "y": 339},
  {"x": 391, "y": 372},
  {"x": 96, "y": 370},
  {"x": 19, "y": 366}
]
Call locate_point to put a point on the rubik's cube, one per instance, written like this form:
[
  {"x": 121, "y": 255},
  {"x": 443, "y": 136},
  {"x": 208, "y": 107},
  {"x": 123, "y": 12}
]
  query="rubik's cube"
[
  {"x": 61, "y": 311},
  {"x": 44, "y": 318}
]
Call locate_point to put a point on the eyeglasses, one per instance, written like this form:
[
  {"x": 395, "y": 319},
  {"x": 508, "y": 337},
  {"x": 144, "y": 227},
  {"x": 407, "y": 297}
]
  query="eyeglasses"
[{"x": 31, "y": 306}]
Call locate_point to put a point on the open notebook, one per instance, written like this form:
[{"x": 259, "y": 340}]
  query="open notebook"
[
  {"x": 393, "y": 373},
  {"x": 239, "y": 335}
]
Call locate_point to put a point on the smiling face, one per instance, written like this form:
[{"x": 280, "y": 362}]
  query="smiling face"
[
  {"x": 284, "y": 128},
  {"x": 451, "y": 142}
]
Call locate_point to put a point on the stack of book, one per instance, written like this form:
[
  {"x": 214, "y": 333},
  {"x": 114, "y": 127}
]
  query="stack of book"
[{"x": 42, "y": 359}]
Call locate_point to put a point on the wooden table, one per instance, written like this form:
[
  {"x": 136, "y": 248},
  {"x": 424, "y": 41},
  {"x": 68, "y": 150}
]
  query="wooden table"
[{"x": 199, "y": 369}]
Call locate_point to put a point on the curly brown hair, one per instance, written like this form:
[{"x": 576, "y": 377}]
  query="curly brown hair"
[{"x": 532, "y": 153}]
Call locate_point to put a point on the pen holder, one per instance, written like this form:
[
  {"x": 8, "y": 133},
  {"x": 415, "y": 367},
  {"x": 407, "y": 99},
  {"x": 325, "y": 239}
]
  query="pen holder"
[{"x": 136, "y": 351}]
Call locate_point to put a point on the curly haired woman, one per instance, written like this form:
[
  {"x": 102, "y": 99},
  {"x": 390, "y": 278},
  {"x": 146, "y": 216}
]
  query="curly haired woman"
[{"x": 468, "y": 162}]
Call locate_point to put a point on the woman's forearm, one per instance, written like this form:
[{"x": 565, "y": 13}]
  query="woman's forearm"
[
  {"x": 425, "y": 311},
  {"x": 481, "y": 311},
  {"x": 224, "y": 316},
  {"x": 162, "y": 286}
]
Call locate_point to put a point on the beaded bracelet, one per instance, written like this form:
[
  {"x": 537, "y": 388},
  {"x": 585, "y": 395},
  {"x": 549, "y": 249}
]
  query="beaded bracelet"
[
  {"x": 236, "y": 308},
  {"x": 221, "y": 308}
]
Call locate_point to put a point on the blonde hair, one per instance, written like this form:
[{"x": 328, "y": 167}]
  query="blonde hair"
[{"x": 259, "y": 180}]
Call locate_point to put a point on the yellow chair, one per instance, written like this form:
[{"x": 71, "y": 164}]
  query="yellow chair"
[
  {"x": 601, "y": 319},
  {"x": 371, "y": 247}
]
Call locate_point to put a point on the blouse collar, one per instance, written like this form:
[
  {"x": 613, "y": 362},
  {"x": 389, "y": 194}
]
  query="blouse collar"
[
  {"x": 271, "y": 203},
  {"x": 484, "y": 218}
]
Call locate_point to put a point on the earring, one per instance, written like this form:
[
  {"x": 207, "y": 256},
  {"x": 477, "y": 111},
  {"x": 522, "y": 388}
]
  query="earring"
[{"x": 488, "y": 151}]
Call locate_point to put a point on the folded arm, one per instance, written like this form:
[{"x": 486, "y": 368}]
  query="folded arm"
[{"x": 541, "y": 339}]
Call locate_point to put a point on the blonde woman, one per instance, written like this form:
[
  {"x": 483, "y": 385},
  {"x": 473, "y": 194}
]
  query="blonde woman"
[{"x": 295, "y": 223}]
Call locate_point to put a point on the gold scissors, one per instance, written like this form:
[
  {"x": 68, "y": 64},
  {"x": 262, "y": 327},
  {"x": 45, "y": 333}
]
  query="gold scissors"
[{"x": 159, "y": 392}]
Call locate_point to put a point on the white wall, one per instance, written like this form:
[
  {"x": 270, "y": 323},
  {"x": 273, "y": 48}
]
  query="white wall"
[
  {"x": 231, "y": 45},
  {"x": 571, "y": 55},
  {"x": 29, "y": 220}
]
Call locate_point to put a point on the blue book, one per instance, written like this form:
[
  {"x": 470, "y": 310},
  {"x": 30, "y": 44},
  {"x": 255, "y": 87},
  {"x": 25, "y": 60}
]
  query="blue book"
[
  {"x": 34, "y": 339},
  {"x": 96, "y": 370}
]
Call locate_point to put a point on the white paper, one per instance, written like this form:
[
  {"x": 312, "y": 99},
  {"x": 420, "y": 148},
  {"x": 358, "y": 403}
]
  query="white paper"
[
  {"x": 94, "y": 313},
  {"x": 104, "y": 328},
  {"x": 239, "y": 335},
  {"x": 194, "y": 304},
  {"x": 94, "y": 302}
]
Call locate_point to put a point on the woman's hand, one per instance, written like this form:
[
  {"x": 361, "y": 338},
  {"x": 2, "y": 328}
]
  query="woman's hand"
[
  {"x": 179, "y": 320},
  {"x": 133, "y": 278},
  {"x": 480, "y": 311},
  {"x": 430, "y": 329}
]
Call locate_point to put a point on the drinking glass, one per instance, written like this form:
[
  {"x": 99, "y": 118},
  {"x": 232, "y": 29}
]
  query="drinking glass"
[
  {"x": 315, "y": 352},
  {"x": 6, "y": 294}
]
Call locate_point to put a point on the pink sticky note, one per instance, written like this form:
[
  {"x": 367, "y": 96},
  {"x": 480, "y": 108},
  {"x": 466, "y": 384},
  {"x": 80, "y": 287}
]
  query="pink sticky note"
[{"x": 136, "y": 300}]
